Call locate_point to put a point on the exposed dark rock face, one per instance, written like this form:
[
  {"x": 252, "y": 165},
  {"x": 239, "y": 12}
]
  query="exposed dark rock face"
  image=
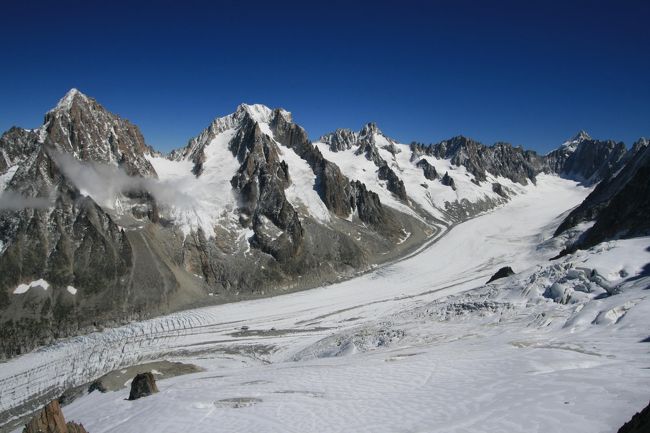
[
  {"x": 448, "y": 181},
  {"x": 392, "y": 148},
  {"x": 581, "y": 158},
  {"x": 143, "y": 385},
  {"x": 587, "y": 160},
  {"x": 498, "y": 188},
  {"x": 80, "y": 126},
  {"x": 394, "y": 183},
  {"x": 332, "y": 186},
  {"x": 506, "y": 271},
  {"x": 428, "y": 170},
  {"x": 261, "y": 181},
  {"x": 619, "y": 205},
  {"x": 74, "y": 242},
  {"x": 640, "y": 422},
  {"x": 501, "y": 159},
  {"x": 50, "y": 420},
  {"x": 341, "y": 139},
  {"x": 604, "y": 192},
  {"x": 17, "y": 145},
  {"x": 338, "y": 193},
  {"x": 73, "y": 427},
  {"x": 363, "y": 141}
]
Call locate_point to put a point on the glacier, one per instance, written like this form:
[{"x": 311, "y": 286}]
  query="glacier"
[{"x": 420, "y": 344}]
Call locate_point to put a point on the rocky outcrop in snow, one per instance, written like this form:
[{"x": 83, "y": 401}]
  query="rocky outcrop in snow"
[
  {"x": 143, "y": 385},
  {"x": 50, "y": 420},
  {"x": 504, "y": 272},
  {"x": 428, "y": 170}
]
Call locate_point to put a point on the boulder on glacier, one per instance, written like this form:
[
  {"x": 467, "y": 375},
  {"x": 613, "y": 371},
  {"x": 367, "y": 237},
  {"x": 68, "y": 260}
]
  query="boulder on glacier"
[
  {"x": 143, "y": 385},
  {"x": 506, "y": 271}
]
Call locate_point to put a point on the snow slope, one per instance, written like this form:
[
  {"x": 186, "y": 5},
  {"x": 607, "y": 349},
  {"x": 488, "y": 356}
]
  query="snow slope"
[
  {"x": 408, "y": 347},
  {"x": 213, "y": 197}
]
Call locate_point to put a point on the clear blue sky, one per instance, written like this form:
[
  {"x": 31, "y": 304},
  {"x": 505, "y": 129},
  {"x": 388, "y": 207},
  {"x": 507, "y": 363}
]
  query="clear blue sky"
[{"x": 527, "y": 72}]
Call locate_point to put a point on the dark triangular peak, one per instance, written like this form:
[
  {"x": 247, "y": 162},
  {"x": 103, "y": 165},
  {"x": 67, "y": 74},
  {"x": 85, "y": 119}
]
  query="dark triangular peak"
[
  {"x": 586, "y": 159},
  {"x": 582, "y": 135},
  {"x": 79, "y": 125},
  {"x": 640, "y": 144}
]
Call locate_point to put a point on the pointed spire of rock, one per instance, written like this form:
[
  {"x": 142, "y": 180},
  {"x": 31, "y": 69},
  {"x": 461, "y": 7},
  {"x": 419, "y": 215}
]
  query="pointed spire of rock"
[
  {"x": 581, "y": 136},
  {"x": 369, "y": 129},
  {"x": 50, "y": 420}
]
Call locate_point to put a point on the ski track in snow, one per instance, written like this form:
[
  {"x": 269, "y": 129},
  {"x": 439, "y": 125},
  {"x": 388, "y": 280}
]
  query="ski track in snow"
[{"x": 372, "y": 354}]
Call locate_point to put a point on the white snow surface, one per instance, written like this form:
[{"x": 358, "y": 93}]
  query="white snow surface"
[
  {"x": 23, "y": 288},
  {"x": 419, "y": 345},
  {"x": 213, "y": 197},
  {"x": 7, "y": 176}
]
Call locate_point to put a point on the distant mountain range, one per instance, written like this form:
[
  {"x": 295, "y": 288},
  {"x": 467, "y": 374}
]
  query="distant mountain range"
[{"x": 98, "y": 228}]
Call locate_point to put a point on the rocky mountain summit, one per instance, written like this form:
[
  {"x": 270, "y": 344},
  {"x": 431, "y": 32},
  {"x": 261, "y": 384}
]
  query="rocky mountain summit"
[{"x": 97, "y": 228}]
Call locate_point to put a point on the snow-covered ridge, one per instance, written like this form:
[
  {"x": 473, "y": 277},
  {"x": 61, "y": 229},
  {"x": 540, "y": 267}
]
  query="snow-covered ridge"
[{"x": 344, "y": 148}]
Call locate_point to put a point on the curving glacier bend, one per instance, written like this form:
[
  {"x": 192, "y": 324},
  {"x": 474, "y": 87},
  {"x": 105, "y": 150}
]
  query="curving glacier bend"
[{"x": 407, "y": 347}]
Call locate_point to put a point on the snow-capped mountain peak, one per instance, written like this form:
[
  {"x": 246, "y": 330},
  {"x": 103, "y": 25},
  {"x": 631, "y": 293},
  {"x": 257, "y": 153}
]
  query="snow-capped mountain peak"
[
  {"x": 258, "y": 112},
  {"x": 573, "y": 142},
  {"x": 582, "y": 135},
  {"x": 65, "y": 103}
]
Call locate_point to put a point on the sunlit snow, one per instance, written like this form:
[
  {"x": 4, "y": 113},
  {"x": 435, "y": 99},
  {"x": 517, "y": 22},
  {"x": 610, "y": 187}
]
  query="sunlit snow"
[{"x": 23, "y": 288}]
